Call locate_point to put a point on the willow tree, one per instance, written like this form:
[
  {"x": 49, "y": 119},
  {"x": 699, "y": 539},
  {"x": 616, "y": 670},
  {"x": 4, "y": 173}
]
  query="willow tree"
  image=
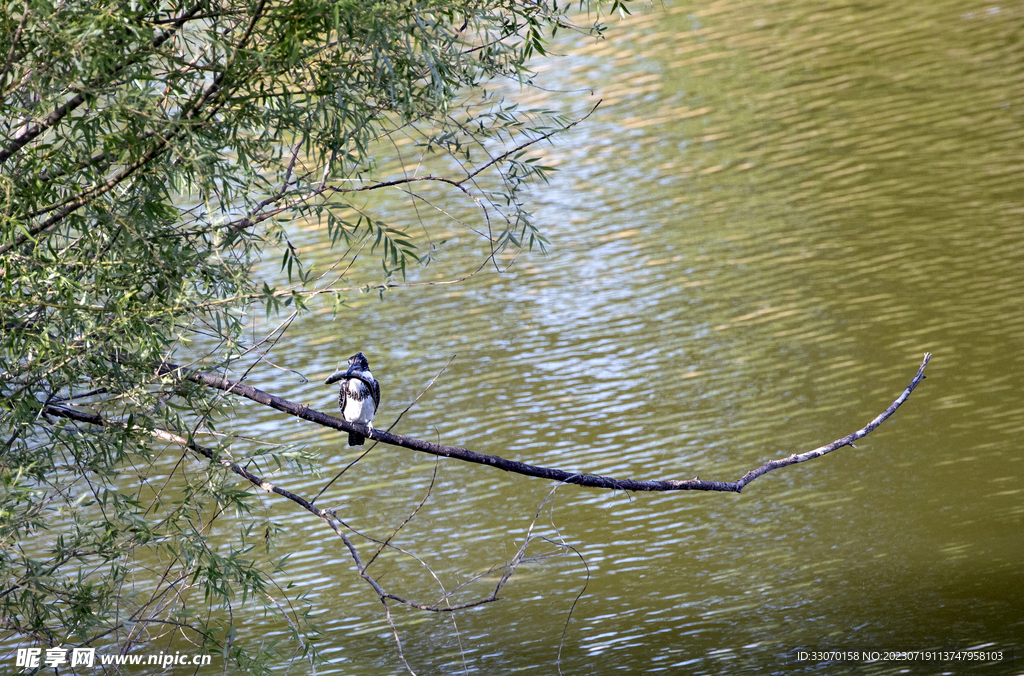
[{"x": 151, "y": 154}]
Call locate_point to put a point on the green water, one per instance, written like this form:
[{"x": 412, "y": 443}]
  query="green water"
[{"x": 777, "y": 209}]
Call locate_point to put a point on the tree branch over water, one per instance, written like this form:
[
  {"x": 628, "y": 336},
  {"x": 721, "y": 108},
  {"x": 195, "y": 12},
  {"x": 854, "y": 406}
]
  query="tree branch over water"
[
  {"x": 590, "y": 480},
  {"x": 326, "y": 515},
  {"x": 139, "y": 223}
]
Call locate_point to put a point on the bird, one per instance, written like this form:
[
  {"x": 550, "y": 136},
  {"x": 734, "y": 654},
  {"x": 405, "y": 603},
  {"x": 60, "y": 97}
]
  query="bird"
[{"x": 359, "y": 395}]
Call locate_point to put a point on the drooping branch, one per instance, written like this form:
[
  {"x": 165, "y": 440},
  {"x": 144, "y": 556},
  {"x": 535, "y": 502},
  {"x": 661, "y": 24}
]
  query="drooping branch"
[
  {"x": 326, "y": 515},
  {"x": 258, "y": 215},
  {"x": 591, "y": 480}
]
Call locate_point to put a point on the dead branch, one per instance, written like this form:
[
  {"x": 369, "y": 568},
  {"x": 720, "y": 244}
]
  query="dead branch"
[{"x": 591, "y": 480}]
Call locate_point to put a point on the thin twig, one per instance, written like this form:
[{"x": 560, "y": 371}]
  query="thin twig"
[
  {"x": 298, "y": 634},
  {"x": 394, "y": 631},
  {"x": 586, "y": 583},
  {"x": 384, "y": 545}
]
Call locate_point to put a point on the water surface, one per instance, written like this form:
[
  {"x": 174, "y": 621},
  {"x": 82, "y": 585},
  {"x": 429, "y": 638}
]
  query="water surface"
[{"x": 777, "y": 209}]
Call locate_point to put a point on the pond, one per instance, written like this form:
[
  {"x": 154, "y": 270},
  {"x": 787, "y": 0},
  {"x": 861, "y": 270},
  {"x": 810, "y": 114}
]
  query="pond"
[{"x": 775, "y": 211}]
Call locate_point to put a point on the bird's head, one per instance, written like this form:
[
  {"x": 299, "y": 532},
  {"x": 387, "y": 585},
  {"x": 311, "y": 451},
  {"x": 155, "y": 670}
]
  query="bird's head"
[{"x": 356, "y": 364}]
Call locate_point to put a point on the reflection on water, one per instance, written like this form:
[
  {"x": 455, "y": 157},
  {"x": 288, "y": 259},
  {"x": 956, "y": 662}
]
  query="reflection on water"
[{"x": 776, "y": 210}]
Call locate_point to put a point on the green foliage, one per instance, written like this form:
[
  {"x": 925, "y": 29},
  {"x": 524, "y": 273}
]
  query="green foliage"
[{"x": 152, "y": 153}]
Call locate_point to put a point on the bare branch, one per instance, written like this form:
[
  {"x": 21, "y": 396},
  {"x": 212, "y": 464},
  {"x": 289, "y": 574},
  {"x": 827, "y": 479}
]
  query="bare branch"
[
  {"x": 591, "y": 480},
  {"x": 838, "y": 443}
]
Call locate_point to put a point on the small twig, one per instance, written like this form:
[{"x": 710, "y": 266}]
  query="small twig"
[
  {"x": 409, "y": 518},
  {"x": 586, "y": 583},
  {"x": 398, "y": 641},
  {"x": 58, "y": 400},
  {"x": 298, "y": 634}
]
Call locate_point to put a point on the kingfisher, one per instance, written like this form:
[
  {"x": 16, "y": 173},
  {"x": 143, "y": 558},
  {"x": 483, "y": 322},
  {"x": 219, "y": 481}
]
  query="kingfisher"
[{"x": 359, "y": 396}]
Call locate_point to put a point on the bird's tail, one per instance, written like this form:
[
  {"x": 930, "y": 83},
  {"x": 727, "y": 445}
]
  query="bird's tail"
[{"x": 355, "y": 439}]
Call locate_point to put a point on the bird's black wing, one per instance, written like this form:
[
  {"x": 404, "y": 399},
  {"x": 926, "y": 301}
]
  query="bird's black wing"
[
  {"x": 341, "y": 396},
  {"x": 375, "y": 391}
]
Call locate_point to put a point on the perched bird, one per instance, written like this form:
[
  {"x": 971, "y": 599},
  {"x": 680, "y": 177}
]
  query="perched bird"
[{"x": 359, "y": 397}]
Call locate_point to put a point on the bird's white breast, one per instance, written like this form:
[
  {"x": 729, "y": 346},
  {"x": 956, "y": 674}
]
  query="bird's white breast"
[{"x": 359, "y": 406}]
